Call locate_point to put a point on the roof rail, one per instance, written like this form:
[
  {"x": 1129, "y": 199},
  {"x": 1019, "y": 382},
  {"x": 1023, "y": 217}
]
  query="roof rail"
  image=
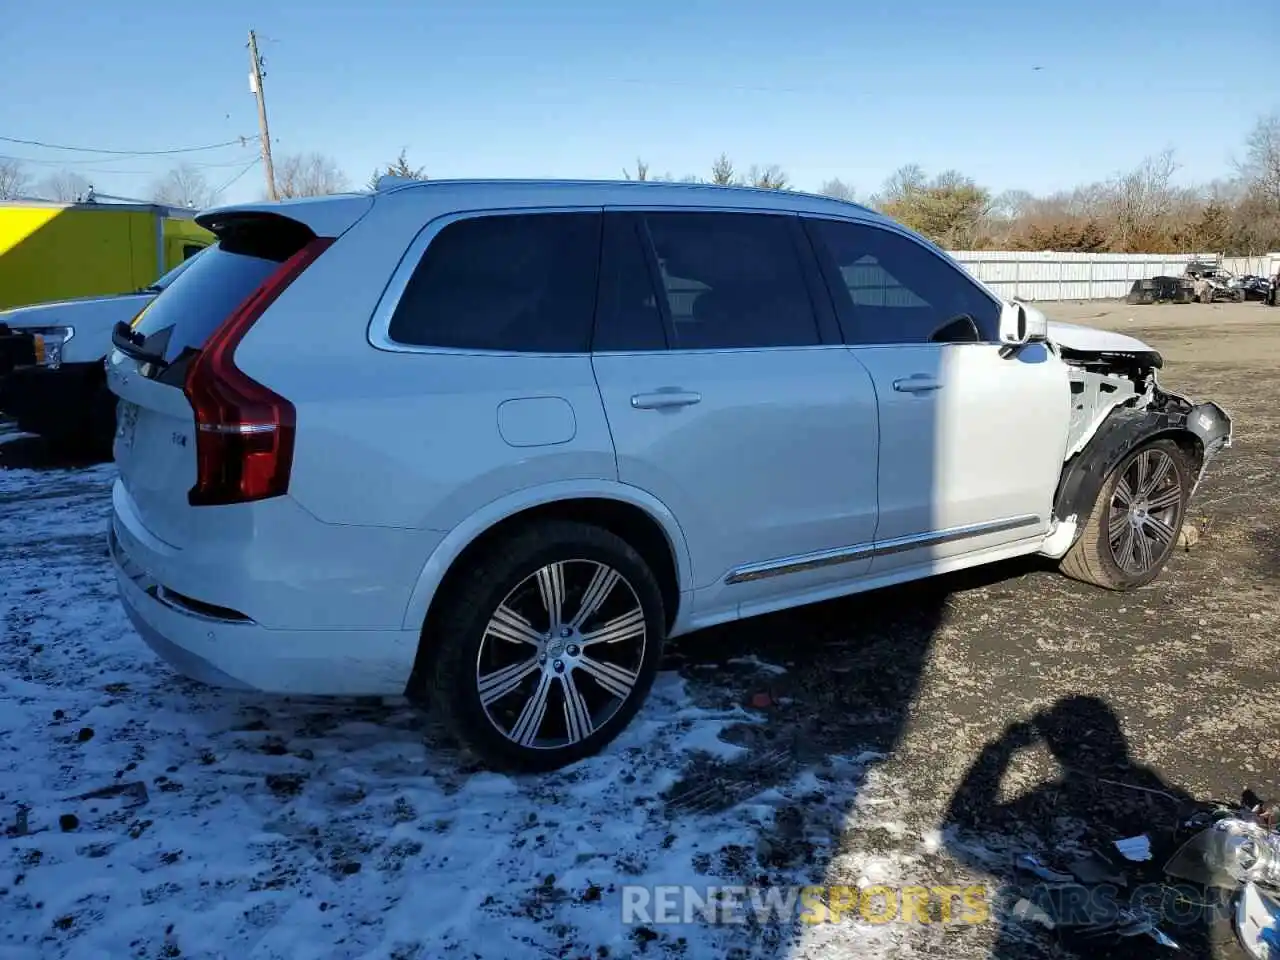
[{"x": 389, "y": 181}]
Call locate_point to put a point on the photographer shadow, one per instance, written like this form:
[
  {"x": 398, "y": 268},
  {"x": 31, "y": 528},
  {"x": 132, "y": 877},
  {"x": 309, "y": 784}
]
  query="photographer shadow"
[{"x": 1069, "y": 824}]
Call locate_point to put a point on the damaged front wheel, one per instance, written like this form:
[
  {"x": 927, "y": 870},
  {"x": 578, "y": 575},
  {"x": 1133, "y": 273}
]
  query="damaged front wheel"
[{"x": 1135, "y": 521}]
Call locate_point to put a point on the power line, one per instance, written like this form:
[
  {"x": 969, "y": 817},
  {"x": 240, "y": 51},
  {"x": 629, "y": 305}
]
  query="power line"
[
  {"x": 42, "y": 162},
  {"x": 247, "y": 167},
  {"x": 238, "y": 141}
]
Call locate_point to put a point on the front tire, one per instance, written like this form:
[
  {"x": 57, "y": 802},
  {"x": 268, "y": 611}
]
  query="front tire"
[
  {"x": 549, "y": 646},
  {"x": 1136, "y": 519}
]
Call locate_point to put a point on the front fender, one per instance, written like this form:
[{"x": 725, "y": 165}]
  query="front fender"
[
  {"x": 465, "y": 533},
  {"x": 1125, "y": 430}
]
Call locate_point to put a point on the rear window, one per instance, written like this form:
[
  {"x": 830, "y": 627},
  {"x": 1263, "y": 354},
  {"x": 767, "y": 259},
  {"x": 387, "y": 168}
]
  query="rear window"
[
  {"x": 212, "y": 285},
  {"x": 522, "y": 283}
]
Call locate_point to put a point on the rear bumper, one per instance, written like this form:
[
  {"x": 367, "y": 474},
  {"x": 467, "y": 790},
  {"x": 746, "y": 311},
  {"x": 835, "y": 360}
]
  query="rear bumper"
[{"x": 243, "y": 655}]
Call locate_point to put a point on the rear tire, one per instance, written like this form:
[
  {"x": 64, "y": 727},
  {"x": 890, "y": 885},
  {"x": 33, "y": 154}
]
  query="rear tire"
[
  {"x": 1136, "y": 520},
  {"x": 548, "y": 648}
]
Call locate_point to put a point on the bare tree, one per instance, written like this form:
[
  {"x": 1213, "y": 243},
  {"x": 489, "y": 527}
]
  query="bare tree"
[
  {"x": 771, "y": 177},
  {"x": 642, "y": 171},
  {"x": 308, "y": 175},
  {"x": 1260, "y": 169},
  {"x": 13, "y": 179},
  {"x": 722, "y": 171},
  {"x": 184, "y": 186},
  {"x": 63, "y": 186},
  {"x": 1141, "y": 202},
  {"x": 837, "y": 188},
  {"x": 400, "y": 168},
  {"x": 950, "y": 209},
  {"x": 900, "y": 184}
]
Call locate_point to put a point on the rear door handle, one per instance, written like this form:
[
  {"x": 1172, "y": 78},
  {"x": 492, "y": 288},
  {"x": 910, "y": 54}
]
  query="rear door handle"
[
  {"x": 918, "y": 383},
  {"x": 665, "y": 399}
]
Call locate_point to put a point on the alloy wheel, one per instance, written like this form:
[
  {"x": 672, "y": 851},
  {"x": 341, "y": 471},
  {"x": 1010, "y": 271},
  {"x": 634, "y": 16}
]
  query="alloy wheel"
[
  {"x": 561, "y": 654},
  {"x": 1146, "y": 511}
]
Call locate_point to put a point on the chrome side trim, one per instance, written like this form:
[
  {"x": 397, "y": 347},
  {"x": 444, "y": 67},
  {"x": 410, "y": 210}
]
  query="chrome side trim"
[
  {"x": 809, "y": 561},
  {"x": 826, "y": 558}
]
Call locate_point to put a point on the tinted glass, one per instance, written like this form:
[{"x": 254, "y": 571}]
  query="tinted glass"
[
  {"x": 523, "y": 283},
  {"x": 732, "y": 280},
  {"x": 176, "y": 272},
  {"x": 894, "y": 290},
  {"x": 627, "y": 315},
  {"x": 201, "y": 296}
]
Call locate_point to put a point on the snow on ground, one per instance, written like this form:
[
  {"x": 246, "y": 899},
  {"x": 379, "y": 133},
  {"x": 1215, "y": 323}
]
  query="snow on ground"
[{"x": 145, "y": 815}]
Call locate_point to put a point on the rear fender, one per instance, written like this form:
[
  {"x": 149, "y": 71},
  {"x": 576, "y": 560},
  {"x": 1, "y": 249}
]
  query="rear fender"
[
  {"x": 1206, "y": 427},
  {"x": 457, "y": 540}
]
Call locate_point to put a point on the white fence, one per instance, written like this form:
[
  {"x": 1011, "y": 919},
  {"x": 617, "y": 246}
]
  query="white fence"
[{"x": 1088, "y": 276}]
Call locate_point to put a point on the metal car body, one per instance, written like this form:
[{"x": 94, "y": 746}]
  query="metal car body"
[{"x": 361, "y": 421}]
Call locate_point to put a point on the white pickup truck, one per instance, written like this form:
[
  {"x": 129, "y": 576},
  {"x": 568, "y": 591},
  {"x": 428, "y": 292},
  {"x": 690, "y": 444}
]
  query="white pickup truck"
[{"x": 52, "y": 380}]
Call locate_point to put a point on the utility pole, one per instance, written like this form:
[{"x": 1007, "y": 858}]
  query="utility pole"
[{"x": 255, "y": 85}]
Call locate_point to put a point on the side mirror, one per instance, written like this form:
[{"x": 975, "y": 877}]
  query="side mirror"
[{"x": 1022, "y": 323}]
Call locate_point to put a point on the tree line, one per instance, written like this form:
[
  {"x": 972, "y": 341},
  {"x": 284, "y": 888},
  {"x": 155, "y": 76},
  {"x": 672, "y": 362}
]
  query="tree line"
[{"x": 1142, "y": 210}]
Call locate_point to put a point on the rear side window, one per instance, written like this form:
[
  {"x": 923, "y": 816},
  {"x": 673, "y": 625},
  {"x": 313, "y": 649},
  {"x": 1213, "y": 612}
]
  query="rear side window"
[
  {"x": 524, "y": 283},
  {"x": 209, "y": 287},
  {"x": 731, "y": 280},
  {"x": 890, "y": 289}
]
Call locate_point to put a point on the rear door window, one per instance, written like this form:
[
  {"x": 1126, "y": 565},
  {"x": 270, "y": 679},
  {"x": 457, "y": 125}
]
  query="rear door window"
[
  {"x": 731, "y": 280},
  {"x": 522, "y": 283}
]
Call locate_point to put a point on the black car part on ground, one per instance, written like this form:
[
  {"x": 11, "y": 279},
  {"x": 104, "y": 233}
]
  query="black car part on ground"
[
  {"x": 1161, "y": 290},
  {"x": 1205, "y": 426}
]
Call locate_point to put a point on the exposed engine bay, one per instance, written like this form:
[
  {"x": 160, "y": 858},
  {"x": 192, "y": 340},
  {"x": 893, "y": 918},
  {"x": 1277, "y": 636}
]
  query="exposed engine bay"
[{"x": 1117, "y": 404}]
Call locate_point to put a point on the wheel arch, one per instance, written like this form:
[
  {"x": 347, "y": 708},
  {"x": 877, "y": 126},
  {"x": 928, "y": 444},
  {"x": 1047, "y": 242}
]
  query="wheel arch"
[
  {"x": 1199, "y": 431},
  {"x": 635, "y": 515}
]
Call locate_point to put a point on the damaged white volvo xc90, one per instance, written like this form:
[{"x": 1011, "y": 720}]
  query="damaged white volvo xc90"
[{"x": 490, "y": 444}]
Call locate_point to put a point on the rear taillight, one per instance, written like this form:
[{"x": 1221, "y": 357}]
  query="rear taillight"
[{"x": 244, "y": 431}]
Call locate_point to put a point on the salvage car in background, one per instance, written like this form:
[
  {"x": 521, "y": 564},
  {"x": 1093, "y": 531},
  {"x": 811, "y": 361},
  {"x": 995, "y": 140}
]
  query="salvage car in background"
[
  {"x": 52, "y": 380},
  {"x": 1161, "y": 290},
  {"x": 1255, "y": 287},
  {"x": 1213, "y": 283},
  {"x": 490, "y": 444}
]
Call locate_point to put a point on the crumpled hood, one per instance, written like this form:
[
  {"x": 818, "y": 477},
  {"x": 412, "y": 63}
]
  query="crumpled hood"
[{"x": 1075, "y": 337}]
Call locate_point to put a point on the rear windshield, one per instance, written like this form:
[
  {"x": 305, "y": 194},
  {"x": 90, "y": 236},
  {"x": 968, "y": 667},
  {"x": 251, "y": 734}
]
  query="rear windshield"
[{"x": 201, "y": 297}]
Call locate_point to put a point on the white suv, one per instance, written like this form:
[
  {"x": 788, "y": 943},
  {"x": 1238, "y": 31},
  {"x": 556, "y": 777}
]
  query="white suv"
[{"x": 491, "y": 443}]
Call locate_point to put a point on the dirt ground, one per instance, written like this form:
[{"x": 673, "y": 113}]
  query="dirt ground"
[{"x": 921, "y": 736}]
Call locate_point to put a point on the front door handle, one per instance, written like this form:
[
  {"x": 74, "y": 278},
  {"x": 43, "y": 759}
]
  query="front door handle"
[
  {"x": 917, "y": 383},
  {"x": 665, "y": 399}
]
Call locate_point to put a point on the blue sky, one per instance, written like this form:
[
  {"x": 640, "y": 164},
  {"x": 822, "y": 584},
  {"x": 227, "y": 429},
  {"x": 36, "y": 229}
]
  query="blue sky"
[{"x": 579, "y": 89}]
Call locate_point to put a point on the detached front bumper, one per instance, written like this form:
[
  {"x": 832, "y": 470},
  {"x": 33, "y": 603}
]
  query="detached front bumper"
[{"x": 1212, "y": 425}]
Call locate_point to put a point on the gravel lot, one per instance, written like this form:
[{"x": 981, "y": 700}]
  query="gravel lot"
[{"x": 859, "y": 741}]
